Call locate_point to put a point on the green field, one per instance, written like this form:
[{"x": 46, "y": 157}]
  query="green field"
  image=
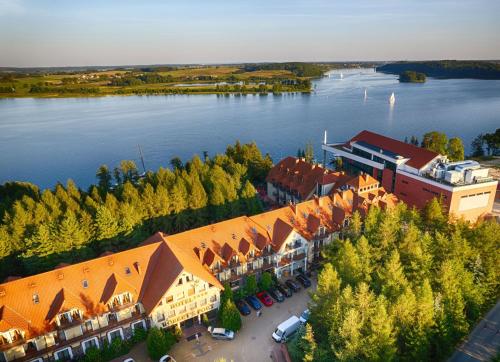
[{"x": 151, "y": 81}]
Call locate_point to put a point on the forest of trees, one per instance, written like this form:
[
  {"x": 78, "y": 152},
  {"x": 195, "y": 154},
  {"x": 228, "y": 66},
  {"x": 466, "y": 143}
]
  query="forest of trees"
[
  {"x": 490, "y": 141},
  {"x": 297, "y": 68},
  {"x": 447, "y": 68},
  {"x": 412, "y": 77},
  {"x": 439, "y": 142},
  {"x": 40, "y": 229},
  {"x": 401, "y": 285}
]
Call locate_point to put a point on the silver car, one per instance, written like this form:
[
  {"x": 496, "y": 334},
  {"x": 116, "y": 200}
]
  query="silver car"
[{"x": 221, "y": 333}]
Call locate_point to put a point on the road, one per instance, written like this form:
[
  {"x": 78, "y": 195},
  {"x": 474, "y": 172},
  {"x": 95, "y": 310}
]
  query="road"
[{"x": 484, "y": 341}]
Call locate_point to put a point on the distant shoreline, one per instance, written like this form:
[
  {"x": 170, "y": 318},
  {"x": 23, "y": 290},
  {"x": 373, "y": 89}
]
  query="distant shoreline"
[{"x": 446, "y": 69}]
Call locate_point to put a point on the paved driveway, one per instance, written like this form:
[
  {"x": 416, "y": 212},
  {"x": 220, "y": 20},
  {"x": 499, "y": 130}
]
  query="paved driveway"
[
  {"x": 253, "y": 343},
  {"x": 484, "y": 341}
]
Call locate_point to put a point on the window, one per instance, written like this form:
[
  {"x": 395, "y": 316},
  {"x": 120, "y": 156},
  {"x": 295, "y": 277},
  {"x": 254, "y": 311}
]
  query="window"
[
  {"x": 213, "y": 298},
  {"x": 182, "y": 309},
  {"x": 85, "y": 283},
  {"x": 89, "y": 343},
  {"x": 191, "y": 291},
  {"x": 169, "y": 299},
  {"x": 171, "y": 313},
  {"x": 180, "y": 295},
  {"x": 180, "y": 281},
  {"x": 63, "y": 354},
  {"x": 192, "y": 306},
  {"x": 117, "y": 333},
  {"x": 36, "y": 299},
  {"x": 139, "y": 324},
  {"x": 160, "y": 317},
  {"x": 202, "y": 302}
]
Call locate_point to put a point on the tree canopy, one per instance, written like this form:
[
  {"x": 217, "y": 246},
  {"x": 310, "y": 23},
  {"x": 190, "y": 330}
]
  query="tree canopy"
[
  {"x": 409, "y": 286},
  {"x": 40, "y": 229}
]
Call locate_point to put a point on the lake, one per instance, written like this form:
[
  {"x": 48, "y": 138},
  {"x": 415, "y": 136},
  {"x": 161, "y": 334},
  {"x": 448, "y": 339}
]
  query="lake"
[{"x": 48, "y": 140}]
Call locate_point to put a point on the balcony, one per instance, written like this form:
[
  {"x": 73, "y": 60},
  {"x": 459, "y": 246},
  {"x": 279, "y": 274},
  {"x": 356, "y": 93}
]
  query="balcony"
[
  {"x": 115, "y": 307},
  {"x": 285, "y": 261},
  {"x": 299, "y": 256},
  {"x": 66, "y": 323},
  {"x": 4, "y": 345},
  {"x": 100, "y": 332}
]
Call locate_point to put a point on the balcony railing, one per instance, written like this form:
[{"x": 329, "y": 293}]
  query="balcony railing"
[
  {"x": 16, "y": 342},
  {"x": 66, "y": 323},
  {"x": 117, "y": 306},
  {"x": 299, "y": 256},
  {"x": 100, "y": 332}
]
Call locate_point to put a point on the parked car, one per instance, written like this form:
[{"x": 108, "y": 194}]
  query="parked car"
[
  {"x": 306, "y": 283},
  {"x": 167, "y": 358},
  {"x": 304, "y": 316},
  {"x": 253, "y": 302},
  {"x": 221, "y": 333},
  {"x": 286, "y": 329},
  {"x": 243, "y": 307},
  {"x": 284, "y": 290},
  {"x": 265, "y": 299},
  {"x": 129, "y": 360},
  {"x": 276, "y": 294},
  {"x": 292, "y": 285}
]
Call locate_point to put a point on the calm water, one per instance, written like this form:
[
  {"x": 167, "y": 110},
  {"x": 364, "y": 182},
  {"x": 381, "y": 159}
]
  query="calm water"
[{"x": 47, "y": 140}]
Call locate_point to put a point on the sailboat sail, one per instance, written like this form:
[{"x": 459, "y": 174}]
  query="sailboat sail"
[{"x": 392, "y": 98}]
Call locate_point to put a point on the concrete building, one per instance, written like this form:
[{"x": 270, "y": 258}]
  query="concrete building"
[{"x": 416, "y": 175}]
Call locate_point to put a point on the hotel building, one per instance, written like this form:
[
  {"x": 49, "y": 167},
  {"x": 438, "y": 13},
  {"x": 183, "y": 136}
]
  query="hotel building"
[
  {"x": 169, "y": 280},
  {"x": 416, "y": 175}
]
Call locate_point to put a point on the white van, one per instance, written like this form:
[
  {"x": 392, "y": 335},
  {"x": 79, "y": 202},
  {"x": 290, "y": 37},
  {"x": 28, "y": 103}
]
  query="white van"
[{"x": 286, "y": 329}]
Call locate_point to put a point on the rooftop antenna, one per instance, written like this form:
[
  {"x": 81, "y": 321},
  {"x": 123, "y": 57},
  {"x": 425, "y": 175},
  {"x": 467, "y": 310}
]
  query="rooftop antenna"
[
  {"x": 142, "y": 158},
  {"x": 324, "y": 151}
]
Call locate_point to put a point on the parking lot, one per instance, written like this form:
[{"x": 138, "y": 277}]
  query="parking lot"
[{"x": 253, "y": 342}]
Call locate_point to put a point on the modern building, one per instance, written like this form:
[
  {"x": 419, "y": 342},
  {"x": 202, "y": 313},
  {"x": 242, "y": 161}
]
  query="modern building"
[
  {"x": 295, "y": 180},
  {"x": 416, "y": 175}
]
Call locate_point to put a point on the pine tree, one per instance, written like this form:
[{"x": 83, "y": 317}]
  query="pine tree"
[
  {"x": 231, "y": 318},
  {"x": 104, "y": 178},
  {"x": 307, "y": 344},
  {"x": 392, "y": 278}
]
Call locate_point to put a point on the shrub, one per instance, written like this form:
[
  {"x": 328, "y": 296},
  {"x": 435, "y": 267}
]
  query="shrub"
[
  {"x": 178, "y": 333},
  {"x": 157, "y": 343},
  {"x": 266, "y": 281},
  {"x": 140, "y": 334},
  {"x": 204, "y": 320},
  {"x": 93, "y": 354},
  {"x": 231, "y": 318}
]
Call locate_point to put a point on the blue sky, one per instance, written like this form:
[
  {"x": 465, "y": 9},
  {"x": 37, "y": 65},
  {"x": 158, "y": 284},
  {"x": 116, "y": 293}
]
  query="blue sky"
[{"x": 72, "y": 32}]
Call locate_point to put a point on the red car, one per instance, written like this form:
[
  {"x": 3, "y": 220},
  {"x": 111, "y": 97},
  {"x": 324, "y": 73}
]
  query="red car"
[{"x": 265, "y": 299}]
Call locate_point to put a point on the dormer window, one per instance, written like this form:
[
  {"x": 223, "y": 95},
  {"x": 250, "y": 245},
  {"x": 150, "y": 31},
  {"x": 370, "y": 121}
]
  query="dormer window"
[
  {"x": 127, "y": 271},
  {"x": 120, "y": 300},
  {"x": 11, "y": 336},
  {"x": 85, "y": 283},
  {"x": 180, "y": 281},
  {"x": 36, "y": 299},
  {"x": 69, "y": 317}
]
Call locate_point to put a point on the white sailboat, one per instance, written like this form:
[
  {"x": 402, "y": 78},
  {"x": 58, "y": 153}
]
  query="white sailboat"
[
  {"x": 392, "y": 99},
  {"x": 366, "y": 94},
  {"x": 341, "y": 75}
]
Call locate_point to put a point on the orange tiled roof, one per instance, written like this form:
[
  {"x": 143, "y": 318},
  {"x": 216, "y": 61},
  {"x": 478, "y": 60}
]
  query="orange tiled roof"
[
  {"x": 148, "y": 271},
  {"x": 300, "y": 176}
]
